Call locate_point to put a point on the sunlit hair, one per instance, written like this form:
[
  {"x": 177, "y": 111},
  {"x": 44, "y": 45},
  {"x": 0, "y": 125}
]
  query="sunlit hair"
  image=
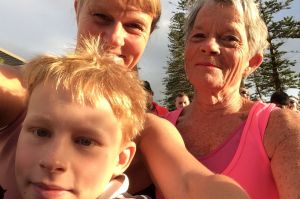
[
  {"x": 151, "y": 7},
  {"x": 89, "y": 75},
  {"x": 255, "y": 27}
]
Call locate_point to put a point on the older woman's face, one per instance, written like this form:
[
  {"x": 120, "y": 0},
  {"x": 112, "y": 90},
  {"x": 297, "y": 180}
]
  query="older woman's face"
[
  {"x": 124, "y": 29},
  {"x": 216, "y": 53}
]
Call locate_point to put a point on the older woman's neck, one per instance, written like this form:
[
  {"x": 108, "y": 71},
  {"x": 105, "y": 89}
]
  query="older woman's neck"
[{"x": 220, "y": 102}]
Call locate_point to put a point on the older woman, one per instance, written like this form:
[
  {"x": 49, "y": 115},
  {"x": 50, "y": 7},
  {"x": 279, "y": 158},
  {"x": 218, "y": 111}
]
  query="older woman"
[{"x": 256, "y": 144}]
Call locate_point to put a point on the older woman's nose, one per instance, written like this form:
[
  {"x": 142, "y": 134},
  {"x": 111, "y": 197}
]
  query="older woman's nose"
[
  {"x": 116, "y": 36},
  {"x": 210, "y": 46}
]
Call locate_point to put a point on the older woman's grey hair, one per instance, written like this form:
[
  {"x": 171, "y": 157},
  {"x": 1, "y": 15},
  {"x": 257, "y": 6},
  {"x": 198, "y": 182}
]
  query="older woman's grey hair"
[{"x": 255, "y": 26}]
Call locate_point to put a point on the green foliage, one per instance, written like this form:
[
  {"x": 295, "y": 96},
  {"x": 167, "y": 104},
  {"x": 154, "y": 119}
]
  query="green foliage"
[
  {"x": 1, "y": 61},
  {"x": 276, "y": 71},
  {"x": 175, "y": 80}
]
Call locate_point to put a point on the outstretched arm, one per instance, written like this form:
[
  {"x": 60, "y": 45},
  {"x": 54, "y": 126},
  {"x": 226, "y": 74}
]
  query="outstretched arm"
[
  {"x": 175, "y": 171},
  {"x": 12, "y": 94}
]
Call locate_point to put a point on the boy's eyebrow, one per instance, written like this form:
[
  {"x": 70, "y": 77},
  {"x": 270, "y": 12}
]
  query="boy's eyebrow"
[
  {"x": 37, "y": 117},
  {"x": 94, "y": 132}
]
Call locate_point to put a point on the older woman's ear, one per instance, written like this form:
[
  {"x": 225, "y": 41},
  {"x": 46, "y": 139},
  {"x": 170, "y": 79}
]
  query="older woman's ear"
[{"x": 254, "y": 63}]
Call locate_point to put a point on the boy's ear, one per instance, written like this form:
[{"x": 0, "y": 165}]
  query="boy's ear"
[
  {"x": 125, "y": 157},
  {"x": 254, "y": 63}
]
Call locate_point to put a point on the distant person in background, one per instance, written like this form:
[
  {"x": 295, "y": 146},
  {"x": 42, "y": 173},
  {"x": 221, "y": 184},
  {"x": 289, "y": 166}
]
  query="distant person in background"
[
  {"x": 294, "y": 103},
  {"x": 244, "y": 92},
  {"x": 152, "y": 106},
  {"x": 280, "y": 98},
  {"x": 182, "y": 100}
]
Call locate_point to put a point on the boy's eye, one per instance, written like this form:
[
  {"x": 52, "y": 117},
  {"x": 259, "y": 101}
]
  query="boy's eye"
[
  {"x": 85, "y": 141},
  {"x": 41, "y": 132}
]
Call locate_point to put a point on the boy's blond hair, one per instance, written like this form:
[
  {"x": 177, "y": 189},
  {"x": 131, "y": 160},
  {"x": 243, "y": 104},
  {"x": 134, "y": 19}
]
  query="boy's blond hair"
[
  {"x": 90, "y": 75},
  {"x": 151, "y": 7}
]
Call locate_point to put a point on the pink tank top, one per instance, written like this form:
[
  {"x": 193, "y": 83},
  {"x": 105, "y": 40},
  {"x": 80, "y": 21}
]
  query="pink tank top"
[
  {"x": 8, "y": 142},
  {"x": 249, "y": 165}
]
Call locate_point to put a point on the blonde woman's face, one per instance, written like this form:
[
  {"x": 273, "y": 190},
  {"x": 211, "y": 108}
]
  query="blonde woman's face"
[{"x": 125, "y": 30}]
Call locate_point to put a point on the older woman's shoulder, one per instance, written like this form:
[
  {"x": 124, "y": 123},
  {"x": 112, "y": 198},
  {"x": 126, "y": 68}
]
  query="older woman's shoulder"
[
  {"x": 282, "y": 144},
  {"x": 283, "y": 127},
  {"x": 284, "y": 118}
]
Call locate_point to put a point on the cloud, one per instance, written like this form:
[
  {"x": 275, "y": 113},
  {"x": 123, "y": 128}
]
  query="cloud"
[
  {"x": 31, "y": 27},
  {"x": 153, "y": 62}
]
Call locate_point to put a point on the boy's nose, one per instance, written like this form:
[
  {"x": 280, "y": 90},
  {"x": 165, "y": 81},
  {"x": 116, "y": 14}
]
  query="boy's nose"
[
  {"x": 52, "y": 166},
  {"x": 55, "y": 158}
]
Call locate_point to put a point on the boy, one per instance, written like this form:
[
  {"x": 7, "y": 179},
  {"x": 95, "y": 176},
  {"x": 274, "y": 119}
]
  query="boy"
[{"x": 76, "y": 139}]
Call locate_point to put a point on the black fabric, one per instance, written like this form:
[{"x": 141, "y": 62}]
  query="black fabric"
[{"x": 149, "y": 191}]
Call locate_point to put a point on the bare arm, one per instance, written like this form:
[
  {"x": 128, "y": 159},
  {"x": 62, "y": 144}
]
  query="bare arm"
[
  {"x": 12, "y": 94},
  {"x": 177, "y": 173},
  {"x": 282, "y": 143}
]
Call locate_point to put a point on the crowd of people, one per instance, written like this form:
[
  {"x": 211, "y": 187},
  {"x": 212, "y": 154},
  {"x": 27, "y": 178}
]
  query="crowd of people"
[{"x": 70, "y": 125}]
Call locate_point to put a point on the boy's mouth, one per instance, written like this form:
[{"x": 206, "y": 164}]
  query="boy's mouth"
[{"x": 49, "y": 190}]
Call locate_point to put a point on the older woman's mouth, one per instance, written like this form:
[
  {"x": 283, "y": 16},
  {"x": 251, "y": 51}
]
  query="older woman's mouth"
[{"x": 207, "y": 64}]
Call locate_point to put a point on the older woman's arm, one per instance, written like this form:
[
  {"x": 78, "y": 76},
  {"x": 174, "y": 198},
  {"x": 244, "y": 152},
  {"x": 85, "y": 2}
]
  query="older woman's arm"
[
  {"x": 176, "y": 171},
  {"x": 12, "y": 94},
  {"x": 282, "y": 143}
]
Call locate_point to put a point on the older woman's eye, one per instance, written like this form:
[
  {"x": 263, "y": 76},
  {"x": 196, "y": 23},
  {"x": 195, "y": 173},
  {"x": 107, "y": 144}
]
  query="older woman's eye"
[
  {"x": 39, "y": 132},
  {"x": 230, "y": 38}
]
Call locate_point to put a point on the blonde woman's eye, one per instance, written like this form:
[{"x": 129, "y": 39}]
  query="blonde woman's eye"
[
  {"x": 199, "y": 35},
  {"x": 103, "y": 18},
  {"x": 135, "y": 28}
]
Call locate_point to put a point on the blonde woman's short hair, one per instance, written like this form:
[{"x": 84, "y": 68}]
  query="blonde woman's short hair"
[
  {"x": 90, "y": 75},
  {"x": 151, "y": 7},
  {"x": 257, "y": 32}
]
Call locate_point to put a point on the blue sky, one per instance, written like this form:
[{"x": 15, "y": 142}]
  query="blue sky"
[{"x": 31, "y": 27}]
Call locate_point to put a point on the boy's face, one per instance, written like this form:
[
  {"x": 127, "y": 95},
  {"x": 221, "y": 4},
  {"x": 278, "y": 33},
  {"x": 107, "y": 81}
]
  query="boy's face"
[{"x": 67, "y": 150}]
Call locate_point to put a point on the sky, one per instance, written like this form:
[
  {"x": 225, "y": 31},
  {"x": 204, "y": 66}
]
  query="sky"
[{"x": 32, "y": 27}]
